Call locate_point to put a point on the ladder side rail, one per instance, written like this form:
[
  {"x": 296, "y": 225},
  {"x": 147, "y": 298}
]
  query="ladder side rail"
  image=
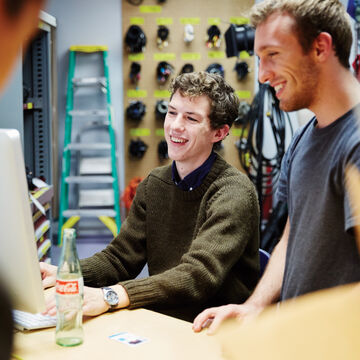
[
  {"x": 66, "y": 161},
  {"x": 113, "y": 145}
]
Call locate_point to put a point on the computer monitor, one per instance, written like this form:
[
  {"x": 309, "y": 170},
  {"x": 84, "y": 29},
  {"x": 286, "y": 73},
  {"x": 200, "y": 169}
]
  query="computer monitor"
[{"x": 19, "y": 266}]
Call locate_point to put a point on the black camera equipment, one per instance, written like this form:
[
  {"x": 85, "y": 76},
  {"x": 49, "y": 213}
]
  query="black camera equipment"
[
  {"x": 187, "y": 68},
  {"x": 136, "y": 110},
  {"x": 161, "y": 109},
  {"x": 216, "y": 68},
  {"x": 134, "y": 74},
  {"x": 242, "y": 69},
  {"x": 163, "y": 72},
  {"x": 244, "y": 109},
  {"x": 137, "y": 148},
  {"x": 135, "y": 39},
  {"x": 214, "y": 37},
  {"x": 239, "y": 38},
  {"x": 163, "y": 150},
  {"x": 162, "y": 36}
]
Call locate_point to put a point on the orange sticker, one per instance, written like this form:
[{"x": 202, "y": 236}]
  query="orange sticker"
[{"x": 70, "y": 287}]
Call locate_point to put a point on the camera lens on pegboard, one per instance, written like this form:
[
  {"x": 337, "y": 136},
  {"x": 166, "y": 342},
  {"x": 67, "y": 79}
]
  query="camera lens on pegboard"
[
  {"x": 163, "y": 72},
  {"x": 137, "y": 148},
  {"x": 135, "y": 39},
  {"x": 242, "y": 69},
  {"x": 136, "y": 110},
  {"x": 187, "y": 68},
  {"x": 239, "y": 38},
  {"x": 134, "y": 74},
  {"x": 216, "y": 68},
  {"x": 161, "y": 109},
  {"x": 163, "y": 150}
]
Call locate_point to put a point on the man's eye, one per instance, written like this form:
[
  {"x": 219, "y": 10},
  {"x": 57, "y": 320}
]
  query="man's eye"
[
  {"x": 192, "y": 119},
  {"x": 172, "y": 112},
  {"x": 272, "y": 54}
]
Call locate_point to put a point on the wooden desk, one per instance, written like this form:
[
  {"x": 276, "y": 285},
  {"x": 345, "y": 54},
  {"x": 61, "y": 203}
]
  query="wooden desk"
[{"x": 168, "y": 338}]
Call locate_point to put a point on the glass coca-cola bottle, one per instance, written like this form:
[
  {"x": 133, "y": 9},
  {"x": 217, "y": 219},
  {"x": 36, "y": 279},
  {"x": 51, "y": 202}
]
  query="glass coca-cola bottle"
[{"x": 69, "y": 294}]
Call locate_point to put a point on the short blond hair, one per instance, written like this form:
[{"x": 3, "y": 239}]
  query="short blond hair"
[{"x": 312, "y": 17}]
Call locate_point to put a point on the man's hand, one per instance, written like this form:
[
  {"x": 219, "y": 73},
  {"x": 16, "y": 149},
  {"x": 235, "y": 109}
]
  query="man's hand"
[
  {"x": 94, "y": 303},
  {"x": 213, "y": 317},
  {"x": 48, "y": 274}
]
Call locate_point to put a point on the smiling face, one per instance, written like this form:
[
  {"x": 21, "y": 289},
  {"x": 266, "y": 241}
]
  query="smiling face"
[
  {"x": 188, "y": 133},
  {"x": 283, "y": 63}
]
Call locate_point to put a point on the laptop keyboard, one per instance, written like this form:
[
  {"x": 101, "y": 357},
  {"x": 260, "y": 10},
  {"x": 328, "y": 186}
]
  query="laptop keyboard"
[{"x": 27, "y": 321}]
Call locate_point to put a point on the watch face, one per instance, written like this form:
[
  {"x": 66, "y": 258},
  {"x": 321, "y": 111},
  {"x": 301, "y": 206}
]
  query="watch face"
[{"x": 112, "y": 297}]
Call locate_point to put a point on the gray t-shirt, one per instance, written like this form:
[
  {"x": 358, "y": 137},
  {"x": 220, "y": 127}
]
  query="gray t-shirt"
[{"x": 322, "y": 250}]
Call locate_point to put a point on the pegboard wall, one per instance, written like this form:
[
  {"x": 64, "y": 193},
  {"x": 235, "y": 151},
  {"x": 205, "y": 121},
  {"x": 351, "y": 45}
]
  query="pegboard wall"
[{"x": 201, "y": 14}]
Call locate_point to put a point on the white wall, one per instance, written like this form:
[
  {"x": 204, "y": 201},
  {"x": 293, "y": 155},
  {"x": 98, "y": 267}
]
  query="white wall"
[{"x": 90, "y": 22}]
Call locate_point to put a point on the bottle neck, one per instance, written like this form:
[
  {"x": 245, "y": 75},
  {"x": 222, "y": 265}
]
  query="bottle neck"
[
  {"x": 69, "y": 245},
  {"x": 69, "y": 260}
]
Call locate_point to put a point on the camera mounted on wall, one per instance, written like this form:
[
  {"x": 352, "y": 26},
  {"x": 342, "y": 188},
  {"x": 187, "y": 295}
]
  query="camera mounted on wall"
[
  {"x": 161, "y": 109},
  {"x": 136, "y": 110},
  {"x": 135, "y": 39},
  {"x": 162, "y": 37},
  {"x": 239, "y": 38},
  {"x": 134, "y": 74},
  {"x": 137, "y": 148}
]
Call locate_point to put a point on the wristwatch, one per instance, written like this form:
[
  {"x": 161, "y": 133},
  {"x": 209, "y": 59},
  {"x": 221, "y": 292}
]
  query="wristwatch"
[{"x": 110, "y": 297}]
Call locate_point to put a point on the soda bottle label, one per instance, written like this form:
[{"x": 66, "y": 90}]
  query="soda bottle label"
[{"x": 67, "y": 287}]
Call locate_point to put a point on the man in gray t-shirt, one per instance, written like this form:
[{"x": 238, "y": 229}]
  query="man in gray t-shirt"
[
  {"x": 321, "y": 251},
  {"x": 303, "y": 48}
]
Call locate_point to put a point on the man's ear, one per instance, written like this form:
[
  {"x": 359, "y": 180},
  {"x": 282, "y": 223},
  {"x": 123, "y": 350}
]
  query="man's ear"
[
  {"x": 221, "y": 133},
  {"x": 323, "y": 46}
]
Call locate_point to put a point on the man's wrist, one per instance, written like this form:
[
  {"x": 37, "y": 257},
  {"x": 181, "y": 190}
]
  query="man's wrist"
[{"x": 122, "y": 297}]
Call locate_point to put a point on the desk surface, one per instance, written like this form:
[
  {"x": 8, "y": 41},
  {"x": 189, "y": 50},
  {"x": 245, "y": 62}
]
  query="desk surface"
[{"x": 168, "y": 338}]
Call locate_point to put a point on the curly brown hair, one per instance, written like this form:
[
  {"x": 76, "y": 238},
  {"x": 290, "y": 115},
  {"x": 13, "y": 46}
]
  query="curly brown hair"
[
  {"x": 224, "y": 103},
  {"x": 312, "y": 17}
]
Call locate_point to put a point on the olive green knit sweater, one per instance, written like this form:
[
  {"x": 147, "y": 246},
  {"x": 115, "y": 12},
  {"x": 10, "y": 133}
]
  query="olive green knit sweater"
[{"x": 201, "y": 246}]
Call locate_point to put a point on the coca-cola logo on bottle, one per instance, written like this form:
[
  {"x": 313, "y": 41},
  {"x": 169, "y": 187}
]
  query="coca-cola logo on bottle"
[{"x": 67, "y": 287}]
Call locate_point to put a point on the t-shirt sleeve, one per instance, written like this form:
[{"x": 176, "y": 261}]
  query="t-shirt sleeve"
[
  {"x": 281, "y": 194},
  {"x": 281, "y": 191},
  {"x": 351, "y": 205}
]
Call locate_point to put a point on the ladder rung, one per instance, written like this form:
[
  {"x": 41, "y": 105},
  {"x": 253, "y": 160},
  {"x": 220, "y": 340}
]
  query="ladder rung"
[
  {"x": 89, "y": 212},
  {"x": 96, "y": 197},
  {"x": 88, "y": 48},
  {"x": 94, "y": 112},
  {"x": 95, "y": 165},
  {"x": 88, "y": 146},
  {"x": 89, "y": 179},
  {"x": 89, "y": 81}
]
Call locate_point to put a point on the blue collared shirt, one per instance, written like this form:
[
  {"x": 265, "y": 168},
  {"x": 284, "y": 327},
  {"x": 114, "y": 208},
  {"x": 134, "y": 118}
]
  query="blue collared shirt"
[{"x": 196, "y": 177}]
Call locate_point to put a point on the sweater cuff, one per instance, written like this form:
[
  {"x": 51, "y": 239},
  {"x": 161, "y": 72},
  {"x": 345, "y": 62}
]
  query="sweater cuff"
[
  {"x": 141, "y": 292},
  {"x": 85, "y": 270}
]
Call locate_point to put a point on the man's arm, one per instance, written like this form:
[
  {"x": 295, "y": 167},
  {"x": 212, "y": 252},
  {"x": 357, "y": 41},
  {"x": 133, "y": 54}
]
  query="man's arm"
[{"x": 266, "y": 292}]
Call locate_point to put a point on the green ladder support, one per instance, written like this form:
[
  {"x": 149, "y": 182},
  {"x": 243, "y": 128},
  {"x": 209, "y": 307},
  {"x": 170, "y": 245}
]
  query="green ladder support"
[{"x": 109, "y": 215}]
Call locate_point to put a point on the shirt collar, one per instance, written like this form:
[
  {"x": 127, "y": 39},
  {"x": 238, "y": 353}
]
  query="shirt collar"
[{"x": 196, "y": 177}]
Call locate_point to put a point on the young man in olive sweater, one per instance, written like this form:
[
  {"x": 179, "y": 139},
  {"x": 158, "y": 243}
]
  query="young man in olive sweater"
[{"x": 195, "y": 222}]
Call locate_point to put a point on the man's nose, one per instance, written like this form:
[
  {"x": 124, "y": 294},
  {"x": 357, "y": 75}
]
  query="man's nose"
[
  {"x": 265, "y": 73},
  {"x": 178, "y": 122}
]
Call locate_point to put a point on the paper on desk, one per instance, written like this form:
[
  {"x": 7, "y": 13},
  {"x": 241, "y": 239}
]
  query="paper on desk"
[{"x": 128, "y": 338}]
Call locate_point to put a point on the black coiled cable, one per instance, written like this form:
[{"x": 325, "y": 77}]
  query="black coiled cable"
[{"x": 251, "y": 154}]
